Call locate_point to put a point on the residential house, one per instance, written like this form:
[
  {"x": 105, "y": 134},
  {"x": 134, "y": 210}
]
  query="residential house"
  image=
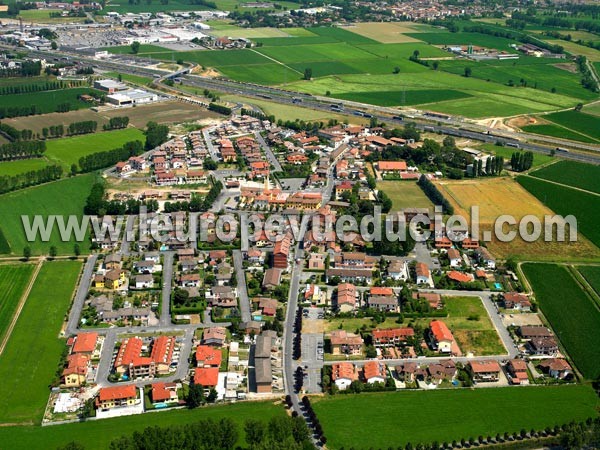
[
  {"x": 460, "y": 277},
  {"x": 214, "y": 336},
  {"x": 350, "y": 275},
  {"x": 164, "y": 393},
  {"x": 516, "y": 301},
  {"x": 398, "y": 270},
  {"x": 207, "y": 377},
  {"x": 392, "y": 337},
  {"x": 434, "y": 299},
  {"x": 75, "y": 374},
  {"x": 86, "y": 344},
  {"x": 517, "y": 371},
  {"x": 543, "y": 346},
  {"x": 117, "y": 396},
  {"x": 343, "y": 374},
  {"x": 557, "y": 368},
  {"x": 144, "y": 282},
  {"x": 406, "y": 372},
  {"x": 345, "y": 343},
  {"x": 535, "y": 331},
  {"x": 281, "y": 252},
  {"x": 454, "y": 257},
  {"x": 393, "y": 167},
  {"x": 346, "y": 297},
  {"x": 374, "y": 372},
  {"x": 484, "y": 371},
  {"x": 485, "y": 258},
  {"x": 272, "y": 278},
  {"x": 208, "y": 356},
  {"x": 316, "y": 261},
  {"x": 383, "y": 299},
  {"x": 423, "y": 274},
  {"x": 442, "y": 339}
]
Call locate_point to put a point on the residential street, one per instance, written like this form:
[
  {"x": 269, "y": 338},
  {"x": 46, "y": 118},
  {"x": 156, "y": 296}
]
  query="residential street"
[
  {"x": 165, "y": 314},
  {"x": 244, "y": 301},
  {"x": 270, "y": 155},
  {"x": 82, "y": 291}
]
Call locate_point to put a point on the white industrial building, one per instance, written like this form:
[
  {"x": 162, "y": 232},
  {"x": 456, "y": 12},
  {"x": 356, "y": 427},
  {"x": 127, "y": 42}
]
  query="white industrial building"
[{"x": 132, "y": 97}]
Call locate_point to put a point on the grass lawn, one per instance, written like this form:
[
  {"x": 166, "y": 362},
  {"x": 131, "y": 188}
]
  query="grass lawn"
[
  {"x": 13, "y": 280},
  {"x": 414, "y": 416},
  {"x": 405, "y": 194},
  {"x": 539, "y": 159},
  {"x": 21, "y": 166},
  {"x": 410, "y": 97},
  {"x": 563, "y": 200},
  {"x": 579, "y": 175},
  {"x": 29, "y": 361},
  {"x": 135, "y": 79},
  {"x": 67, "y": 151},
  {"x": 45, "y": 199},
  {"x": 97, "y": 435},
  {"x": 572, "y": 314},
  {"x": 472, "y": 327},
  {"x": 144, "y": 48},
  {"x": 47, "y": 101}
]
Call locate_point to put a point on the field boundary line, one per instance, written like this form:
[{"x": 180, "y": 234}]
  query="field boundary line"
[
  {"x": 585, "y": 191},
  {"x": 20, "y": 306},
  {"x": 276, "y": 61}
]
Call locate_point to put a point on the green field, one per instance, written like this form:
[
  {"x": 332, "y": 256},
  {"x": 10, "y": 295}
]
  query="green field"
[
  {"x": 394, "y": 419},
  {"x": 539, "y": 159},
  {"x": 564, "y": 201},
  {"x": 572, "y": 314},
  {"x": 13, "y": 280},
  {"x": 405, "y": 194},
  {"x": 22, "y": 165},
  {"x": 144, "y": 48},
  {"x": 557, "y": 131},
  {"x": 571, "y": 173},
  {"x": 30, "y": 359},
  {"x": 592, "y": 276},
  {"x": 97, "y": 435},
  {"x": 64, "y": 197},
  {"x": 135, "y": 79},
  {"x": 579, "y": 122},
  {"x": 67, "y": 151},
  {"x": 395, "y": 98},
  {"x": 46, "y": 101}
]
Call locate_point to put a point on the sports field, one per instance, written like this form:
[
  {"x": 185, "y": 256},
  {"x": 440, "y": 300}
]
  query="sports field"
[
  {"x": 31, "y": 356},
  {"x": 405, "y": 194},
  {"x": 13, "y": 281},
  {"x": 571, "y": 312},
  {"x": 564, "y": 200},
  {"x": 67, "y": 151},
  {"x": 47, "y": 101},
  {"x": 97, "y": 435},
  {"x": 46, "y": 199},
  {"x": 396, "y": 418},
  {"x": 502, "y": 195},
  {"x": 571, "y": 173}
]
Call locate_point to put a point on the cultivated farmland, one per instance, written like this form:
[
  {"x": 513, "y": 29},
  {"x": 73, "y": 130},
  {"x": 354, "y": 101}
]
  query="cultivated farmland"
[
  {"x": 571, "y": 173},
  {"x": 162, "y": 112},
  {"x": 67, "y": 151},
  {"x": 579, "y": 122},
  {"x": 26, "y": 373},
  {"x": 13, "y": 280},
  {"x": 97, "y": 435},
  {"x": 550, "y": 129},
  {"x": 592, "y": 276},
  {"x": 47, "y": 101},
  {"x": 506, "y": 152},
  {"x": 557, "y": 293},
  {"x": 21, "y": 166},
  {"x": 564, "y": 200},
  {"x": 497, "y": 196},
  {"x": 64, "y": 197},
  {"x": 38, "y": 122},
  {"x": 414, "y": 416}
]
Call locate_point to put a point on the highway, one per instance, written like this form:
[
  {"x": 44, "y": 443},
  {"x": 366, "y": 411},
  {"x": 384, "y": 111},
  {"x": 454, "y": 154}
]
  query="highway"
[{"x": 453, "y": 126}]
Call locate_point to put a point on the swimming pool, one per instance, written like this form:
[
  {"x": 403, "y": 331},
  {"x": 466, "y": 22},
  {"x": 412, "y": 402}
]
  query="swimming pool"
[{"x": 498, "y": 286}]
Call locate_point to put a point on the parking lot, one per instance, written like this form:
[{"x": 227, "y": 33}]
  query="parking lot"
[{"x": 312, "y": 349}]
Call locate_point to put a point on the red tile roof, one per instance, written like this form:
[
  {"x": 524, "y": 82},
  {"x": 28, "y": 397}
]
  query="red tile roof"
[
  {"x": 117, "y": 393},
  {"x": 440, "y": 331},
  {"x": 207, "y": 377},
  {"x": 85, "y": 343},
  {"x": 207, "y": 355},
  {"x": 392, "y": 165}
]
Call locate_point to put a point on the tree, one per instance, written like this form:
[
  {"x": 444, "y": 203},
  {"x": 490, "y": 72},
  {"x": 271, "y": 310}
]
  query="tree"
[
  {"x": 210, "y": 164},
  {"x": 416, "y": 54},
  {"x": 468, "y": 72},
  {"x": 53, "y": 252},
  {"x": 180, "y": 297},
  {"x": 579, "y": 107},
  {"x": 135, "y": 47},
  {"x": 195, "y": 396},
  {"x": 76, "y": 249},
  {"x": 72, "y": 446},
  {"x": 73, "y": 169},
  {"x": 53, "y": 45},
  {"x": 307, "y": 73},
  {"x": 155, "y": 135},
  {"x": 27, "y": 252},
  {"x": 212, "y": 395},
  {"x": 435, "y": 65},
  {"x": 255, "y": 431},
  {"x": 396, "y": 69}
]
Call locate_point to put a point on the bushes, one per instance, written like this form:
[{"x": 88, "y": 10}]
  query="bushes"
[{"x": 435, "y": 195}]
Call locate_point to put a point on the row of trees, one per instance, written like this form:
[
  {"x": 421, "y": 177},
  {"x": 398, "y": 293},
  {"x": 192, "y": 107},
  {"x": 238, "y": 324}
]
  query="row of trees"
[
  {"x": 13, "y": 134},
  {"x": 116, "y": 123},
  {"x": 221, "y": 109},
  {"x": 31, "y": 110},
  {"x": 84, "y": 127},
  {"x": 39, "y": 87},
  {"x": 587, "y": 78},
  {"x": 108, "y": 158},
  {"x": 432, "y": 192},
  {"x": 257, "y": 115},
  {"x": 27, "y": 69},
  {"x": 22, "y": 150},
  {"x": 521, "y": 161},
  {"x": 13, "y": 182},
  {"x": 493, "y": 166}
]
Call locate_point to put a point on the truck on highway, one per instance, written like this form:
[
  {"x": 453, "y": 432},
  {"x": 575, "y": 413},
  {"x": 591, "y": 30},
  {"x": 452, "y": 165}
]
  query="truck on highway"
[{"x": 561, "y": 149}]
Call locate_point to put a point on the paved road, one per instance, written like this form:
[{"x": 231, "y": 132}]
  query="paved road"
[
  {"x": 165, "y": 313},
  {"x": 238, "y": 261},
  {"x": 128, "y": 236},
  {"x": 214, "y": 154},
  {"x": 82, "y": 292},
  {"x": 270, "y": 155}
]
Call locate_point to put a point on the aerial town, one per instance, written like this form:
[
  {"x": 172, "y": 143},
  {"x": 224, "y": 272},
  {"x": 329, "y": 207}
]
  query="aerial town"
[{"x": 293, "y": 225}]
